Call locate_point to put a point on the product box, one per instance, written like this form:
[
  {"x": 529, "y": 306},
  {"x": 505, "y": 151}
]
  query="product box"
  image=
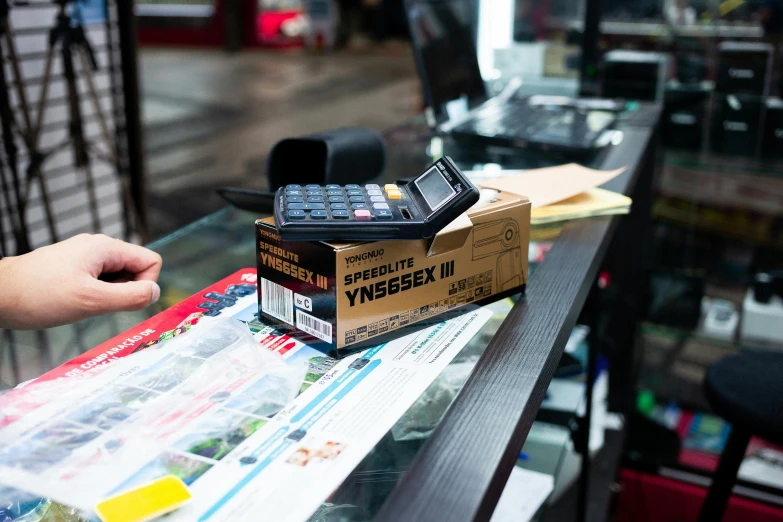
[
  {"x": 354, "y": 294},
  {"x": 744, "y": 68},
  {"x": 736, "y": 124},
  {"x": 772, "y": 145},
  {"x": 684, "y": 115}
]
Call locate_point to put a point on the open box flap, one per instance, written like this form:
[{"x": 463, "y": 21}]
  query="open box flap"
[
  {"x": 455, "y": 234},
  {"x": 452, "y": 236}
]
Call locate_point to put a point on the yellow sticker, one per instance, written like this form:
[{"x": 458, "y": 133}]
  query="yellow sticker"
[{"x": 146, "y": 502}]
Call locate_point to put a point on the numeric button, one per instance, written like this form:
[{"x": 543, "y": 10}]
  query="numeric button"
[
  {"x": 357, "y": 199},
  {"x": 315, "y": 199},
  {"x": 296, "y": 214},
  {"x": 338, "y": 206},
  {"x": 294, "y": 199},
  {"x": 336, "y": 199},
  {"x": 383, "y": 214},
  {"x": 318, "y": 214},
  {"x": 332, "y": 187},
  {"x": 306, "y": 206},
  {"x": 340, "y": 214}
]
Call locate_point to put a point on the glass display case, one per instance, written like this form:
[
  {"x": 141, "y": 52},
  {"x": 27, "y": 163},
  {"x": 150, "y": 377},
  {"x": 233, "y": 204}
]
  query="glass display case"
[{"x": 716, "y": 215}]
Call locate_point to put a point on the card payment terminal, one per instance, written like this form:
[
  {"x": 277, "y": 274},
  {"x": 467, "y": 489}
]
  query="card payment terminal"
[{"x": 415, "y": 210}]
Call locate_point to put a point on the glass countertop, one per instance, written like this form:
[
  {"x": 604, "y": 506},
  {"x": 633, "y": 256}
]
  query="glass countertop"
[{"x": 222, "y": 243}]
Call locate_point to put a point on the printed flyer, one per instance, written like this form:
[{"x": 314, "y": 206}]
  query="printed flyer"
[{"x": 241, "y": 428}]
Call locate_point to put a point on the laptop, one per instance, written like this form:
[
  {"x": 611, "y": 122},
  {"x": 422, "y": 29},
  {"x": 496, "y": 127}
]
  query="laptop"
[{"x": 442, "y": 32}]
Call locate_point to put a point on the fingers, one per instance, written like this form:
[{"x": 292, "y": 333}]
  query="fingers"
[
  {"x": 104, "y": 297},
  {"x": 118, "y": 256}
]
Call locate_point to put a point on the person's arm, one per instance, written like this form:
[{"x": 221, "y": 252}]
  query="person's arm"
[{"x": 59, "y": 284}]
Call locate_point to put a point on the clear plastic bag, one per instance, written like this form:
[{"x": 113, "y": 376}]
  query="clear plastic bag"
[
  {"x": 18, "y": 506},
  {"x": 423, "y": 416},
  {"x": 77, "y": 440}
]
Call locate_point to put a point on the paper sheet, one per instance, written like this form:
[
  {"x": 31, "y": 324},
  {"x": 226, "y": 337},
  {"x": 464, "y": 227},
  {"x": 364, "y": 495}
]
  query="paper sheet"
[
  {"x": 547, "y": 185},
  {"x": 593, "y": 202},
  {"x": 238, "y": 457},
  {"x": 524, "y": 494}
]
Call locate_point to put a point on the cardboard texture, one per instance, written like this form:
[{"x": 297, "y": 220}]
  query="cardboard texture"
[
  {"x": 352, "y": 295},
  {"x": 549, "y": 185}
]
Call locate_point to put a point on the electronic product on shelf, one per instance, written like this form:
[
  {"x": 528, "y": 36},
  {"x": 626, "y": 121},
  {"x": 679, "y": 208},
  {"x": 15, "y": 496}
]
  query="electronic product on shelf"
[
  {"x": 416, "y": 210},
  {"x": 459, "y": 104},
  {"x": 762, "y": 311}
]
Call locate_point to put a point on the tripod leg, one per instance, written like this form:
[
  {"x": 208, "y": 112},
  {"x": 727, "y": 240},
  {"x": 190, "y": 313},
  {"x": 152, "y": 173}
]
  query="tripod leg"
[
  {"x": 8, "y": 124},
  {"x": 127, "y": 199},
  {"x": 124, "y": 187},
  {"x": 86, "y": 67},
  {"x": 81, "y": 156},
  {"x": 47, "y": 205},
  {"x": 20, "y": 91},
  {"x": 34, "y": 134},
  {"x": 3, "y": 243},
  {"x": 92, "y": 200},
  {"x": 76, "y": 123},
  {"x": 22, "y": 245},
  {"x": 34, "y": 172},
  {"x": 11, "y": 342}
]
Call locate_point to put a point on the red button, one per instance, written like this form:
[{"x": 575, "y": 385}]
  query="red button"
[{"x": 362, "y": 215}]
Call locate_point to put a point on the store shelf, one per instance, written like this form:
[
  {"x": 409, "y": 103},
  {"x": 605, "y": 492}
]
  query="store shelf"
[
  {"x": 756, "y": 230},
  {"x": 695, "y": 31},
  {"x": 660, "y": 29},
  {"x": 721, "y": 163},
  {"x": 740, "y": 183}
]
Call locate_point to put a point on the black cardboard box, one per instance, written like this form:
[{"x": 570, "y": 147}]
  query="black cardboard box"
[
  {"x": 772, "y": 145},
  {"x": 744, "y": 68},
  {"x": 684, "y": 115},
  {"x": 635, "y": 75},
  {"x": 349, "y": 295},
  {"x": 736, "y": 124}
]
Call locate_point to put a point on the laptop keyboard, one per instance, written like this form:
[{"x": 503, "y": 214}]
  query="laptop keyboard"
[{"x": 517, "y": 120}]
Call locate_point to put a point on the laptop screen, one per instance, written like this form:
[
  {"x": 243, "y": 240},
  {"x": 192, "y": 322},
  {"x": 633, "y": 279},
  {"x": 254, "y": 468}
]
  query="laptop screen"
[{"x": 444, "y": 44}]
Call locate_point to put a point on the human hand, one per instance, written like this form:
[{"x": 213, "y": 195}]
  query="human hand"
[{"x": 59, "y": 284}]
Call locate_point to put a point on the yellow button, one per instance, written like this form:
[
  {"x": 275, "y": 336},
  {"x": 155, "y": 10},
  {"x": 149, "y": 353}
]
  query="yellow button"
[
  {"x": 390, "y": 186},
  {"x": 394, "y": 194}
]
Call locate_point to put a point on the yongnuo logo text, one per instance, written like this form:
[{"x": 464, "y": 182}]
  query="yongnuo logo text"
[{"x": 373, "y": 255}]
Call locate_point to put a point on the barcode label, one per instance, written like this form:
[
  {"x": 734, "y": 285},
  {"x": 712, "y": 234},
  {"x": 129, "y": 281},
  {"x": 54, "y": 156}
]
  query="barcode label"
[
  {"x": 314, "y": 326},
  {"x": 277, "y": 301}
]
